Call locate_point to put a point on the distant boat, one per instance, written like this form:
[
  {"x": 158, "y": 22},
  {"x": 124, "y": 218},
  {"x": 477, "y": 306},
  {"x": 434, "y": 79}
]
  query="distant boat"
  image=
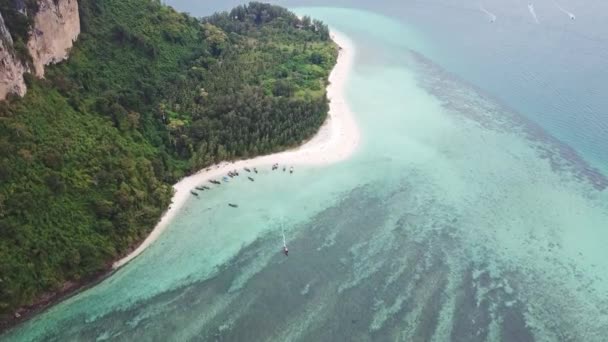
[
  {"x": 214, "y": 182},
  {"x": 275, "y": 166},
  {"x": 233, "y": 205},
  {"x": 201, "y": 188},
  {"x": 226, "y": 179},
  {"x": 291, "y": 169},
  {"x": 251, "y": 179},
  {"x": 255, "y": 170},
  {"x": 194, "y": 193},
  {"x": 246, "y": 169}
]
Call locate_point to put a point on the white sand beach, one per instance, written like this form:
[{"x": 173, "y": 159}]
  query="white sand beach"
[{"x": 336, "y": 140}]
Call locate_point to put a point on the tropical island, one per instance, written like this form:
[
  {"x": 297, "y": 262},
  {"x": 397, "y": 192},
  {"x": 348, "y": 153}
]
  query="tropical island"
[{"x": 147, "y": 96}]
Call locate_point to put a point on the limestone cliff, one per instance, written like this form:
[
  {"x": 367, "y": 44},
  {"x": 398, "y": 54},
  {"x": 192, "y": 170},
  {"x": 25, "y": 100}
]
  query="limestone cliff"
[
  {"x": 11, "y": 69},
  {"x": 55, "y": 26}
]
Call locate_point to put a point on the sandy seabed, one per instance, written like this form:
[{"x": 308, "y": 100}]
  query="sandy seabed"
[{"x": 336, "y": 140}]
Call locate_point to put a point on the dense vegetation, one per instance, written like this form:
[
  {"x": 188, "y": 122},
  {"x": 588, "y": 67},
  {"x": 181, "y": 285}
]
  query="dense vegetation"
[{"x": 88, "y": 156}]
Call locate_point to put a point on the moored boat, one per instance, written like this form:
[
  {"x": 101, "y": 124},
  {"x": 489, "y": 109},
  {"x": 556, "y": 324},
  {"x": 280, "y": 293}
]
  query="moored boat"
[{"x": 233, "y": 205}]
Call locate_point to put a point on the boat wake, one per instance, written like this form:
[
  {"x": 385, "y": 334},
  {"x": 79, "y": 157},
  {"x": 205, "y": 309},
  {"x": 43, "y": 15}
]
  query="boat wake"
[
  {"x": 533, "y": 13},
  {"x": 491, "y": 16},
  {"x": 569, "y": 14}
]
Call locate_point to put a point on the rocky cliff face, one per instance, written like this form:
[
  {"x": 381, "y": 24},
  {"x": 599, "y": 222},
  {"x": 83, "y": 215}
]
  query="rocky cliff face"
[
  {"x": 56, "y": 26},
  {"x": 11, "y": 69}
]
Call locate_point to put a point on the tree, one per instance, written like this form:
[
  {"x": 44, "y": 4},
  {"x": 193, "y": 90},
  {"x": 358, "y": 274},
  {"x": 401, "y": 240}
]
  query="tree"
[
  {"x": 215, "y": 37},
  {"x": 306, "y": 21},
  {"x": 316, "y": 58},
  {"x": 283, "y": 87}
]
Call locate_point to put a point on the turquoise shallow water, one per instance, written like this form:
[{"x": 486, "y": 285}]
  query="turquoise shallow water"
[{"x": 458, "y": 219}]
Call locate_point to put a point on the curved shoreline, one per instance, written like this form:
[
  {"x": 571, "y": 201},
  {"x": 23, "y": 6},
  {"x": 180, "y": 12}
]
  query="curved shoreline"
[{"x": 336, "y": 140}]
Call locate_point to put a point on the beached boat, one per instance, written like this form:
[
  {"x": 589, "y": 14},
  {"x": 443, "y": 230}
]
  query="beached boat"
[
  {"x": 201, "y": 188},
  {"x": 291, "y": 169},
  {"x": 194, "y": 193},
  {"x": 214, "y": 182},
  {"x": 246, "y": 169},
  {"x": 226, "y": 179}
]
